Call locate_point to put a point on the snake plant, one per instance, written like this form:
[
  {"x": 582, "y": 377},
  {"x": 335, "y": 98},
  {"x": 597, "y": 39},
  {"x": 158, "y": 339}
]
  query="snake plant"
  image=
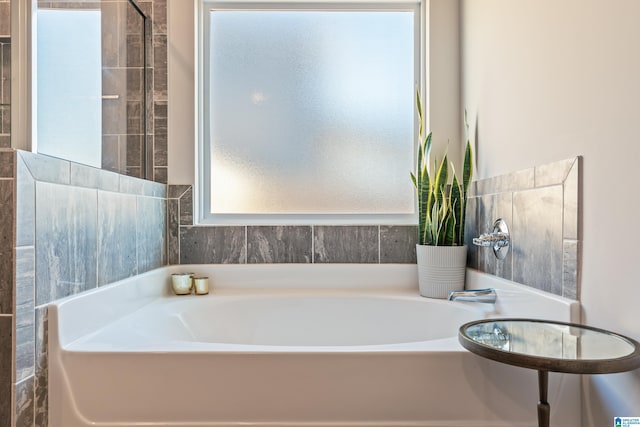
[{"x": 441, "y": 206}]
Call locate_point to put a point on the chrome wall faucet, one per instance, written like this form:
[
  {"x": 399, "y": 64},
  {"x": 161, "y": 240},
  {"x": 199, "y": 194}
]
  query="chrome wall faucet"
[
  {"x": 498, "y": 239},
  {"x": 488, "y": 295}
]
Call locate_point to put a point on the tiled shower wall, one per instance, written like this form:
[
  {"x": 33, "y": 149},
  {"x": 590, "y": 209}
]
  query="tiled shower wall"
[
  {"x": 76, "y": 228},
  {"x": 122, "y": 54}
]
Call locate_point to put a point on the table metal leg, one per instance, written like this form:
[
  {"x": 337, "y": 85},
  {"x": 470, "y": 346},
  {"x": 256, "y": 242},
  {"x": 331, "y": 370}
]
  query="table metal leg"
[{"x": 544, "y": 410}]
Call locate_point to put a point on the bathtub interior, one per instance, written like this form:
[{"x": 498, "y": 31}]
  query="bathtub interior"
[{"x": 175, "y": 366}]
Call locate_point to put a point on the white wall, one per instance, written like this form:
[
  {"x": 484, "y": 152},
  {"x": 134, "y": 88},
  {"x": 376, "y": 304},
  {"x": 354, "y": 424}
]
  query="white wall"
[
  {"x": 548, "y": 80},
  {"x": 181, "y": 113}
]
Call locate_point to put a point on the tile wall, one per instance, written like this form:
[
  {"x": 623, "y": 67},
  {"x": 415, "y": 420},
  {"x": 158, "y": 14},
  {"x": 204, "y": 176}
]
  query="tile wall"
[
  {"x": 76, "y": 228},
  {"x": 541, "y": 207},
  {"x": 7, "y": 219},
  {"x": 190, "y": 244}
]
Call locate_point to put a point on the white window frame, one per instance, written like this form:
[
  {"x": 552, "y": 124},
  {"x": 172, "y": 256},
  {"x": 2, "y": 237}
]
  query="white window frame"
[{"x": 202, "y": 186}]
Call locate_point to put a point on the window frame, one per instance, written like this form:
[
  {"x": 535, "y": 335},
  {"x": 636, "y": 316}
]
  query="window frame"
[{"x": 202, "y": 202}]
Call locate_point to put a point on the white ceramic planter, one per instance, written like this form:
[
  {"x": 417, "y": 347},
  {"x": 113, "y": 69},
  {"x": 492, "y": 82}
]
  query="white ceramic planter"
[{"x": 441, "y": 269}]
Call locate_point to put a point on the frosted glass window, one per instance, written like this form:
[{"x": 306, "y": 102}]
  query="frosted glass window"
[{"x": 311, "y": 112}]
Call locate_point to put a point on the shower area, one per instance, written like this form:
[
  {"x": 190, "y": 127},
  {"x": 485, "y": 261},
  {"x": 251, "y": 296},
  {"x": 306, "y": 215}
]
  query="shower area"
[{"x": 90, "y": 72}]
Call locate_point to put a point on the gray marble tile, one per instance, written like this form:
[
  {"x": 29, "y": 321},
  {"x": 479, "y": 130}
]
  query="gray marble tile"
[
  {"x": 5, "y": 139},
  {"x": 46, "y": 168},
  {"x": 65, "y": 241},
  {"x": 7, "y": 164},
  {"x": 173, "y": 232},
  {"x": 5, "y": 19},
  {"x": 110, "y": 37},
  {"x": 346, "y": 244},
  {"x": 161, "y": 175},
  {"x": 520, "y": 180},
  {"x": 160, "y": 156},
  {"x": 398, "y": 244},
  {"x": 471, "y": 230},
  {"x": 25, "y": 206},
  {"x": 42, "y": 368},
  {"x": 571, "y": 228},
  {"x": 176, "y": 191},
  {"x": 151, "y": 233},
  {"x": 134, "y": 148},
  {"x": 186, "y": 207},
  {"x": 114, "y": 116},
  {"x": 7, "y": 239},
  {"x": 134, "y": 83},
  {"x": 116, "y": 237},
  {"x": 109, "y": 181},
  {"x": 160, "y": 67},
  {"x": 553, "y": 173},
  {"x": 84, "y": 176},
  {"x": 25, "y": 322},
  {"x": 279, "y": 244},
  {"x": 135, "y": 50},
  {"x": 571, "y": 269},
  {"x": 160, "y": 16},
  {"x": 212, "y": 245},
  {"x": 491, "y": 208},
  {"x": 111, "y": 153},
  {"x": 6, "y": 368},
  {"x": 24, "y": 403},
  {"x": 131, "y": 185},
  {"x": 537, "y": 238}
]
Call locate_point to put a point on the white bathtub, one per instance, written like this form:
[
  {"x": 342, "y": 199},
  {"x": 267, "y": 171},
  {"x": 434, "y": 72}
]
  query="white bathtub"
[{"x": 291, "y": 346}]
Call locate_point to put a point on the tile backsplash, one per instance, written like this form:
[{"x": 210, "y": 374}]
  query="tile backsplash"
[{"x": 541, "y": 207}]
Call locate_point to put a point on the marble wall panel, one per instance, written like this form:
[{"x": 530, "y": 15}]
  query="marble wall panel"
[
  {"x": 7, "y": 237},
  {"x": 398, "y": 244},
  {"x": 117, "y": 252},
  {"x": 537, "y": 242},
  {"x": 570, "y": 271},
  {"x": 151, "y": 230},
  {"x": 65, "y": 241},
  {"x": 7, "y": 162},
  {"x": 571, "y": 193},
  {"x": 346, "y": 244},
  {"x": 212, "y": 245},
  {"x": 471, "y": 230},
  {"x": 25, "y": 306},
  {"x": 5, "y": 19},
  {"x": 24, "y": 403},
  {"x": 41, "y": 396},
  {"x": 186, "y": 207},
  {"x": 6, "y": 368},
  {"x": 279, "y": 244},
  {"x": 173, "y": 231},
  {"x": 46, "y": 168},
  {"x": 490, "y": 208}
]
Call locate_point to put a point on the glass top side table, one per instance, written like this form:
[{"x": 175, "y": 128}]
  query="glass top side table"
[{"x": 549, "y": 346}]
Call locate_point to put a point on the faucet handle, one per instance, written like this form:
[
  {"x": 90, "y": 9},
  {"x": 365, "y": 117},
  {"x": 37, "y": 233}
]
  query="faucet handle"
[
  {"x": 498, "y": 239},
  {"x": 492, "y": 239}
]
